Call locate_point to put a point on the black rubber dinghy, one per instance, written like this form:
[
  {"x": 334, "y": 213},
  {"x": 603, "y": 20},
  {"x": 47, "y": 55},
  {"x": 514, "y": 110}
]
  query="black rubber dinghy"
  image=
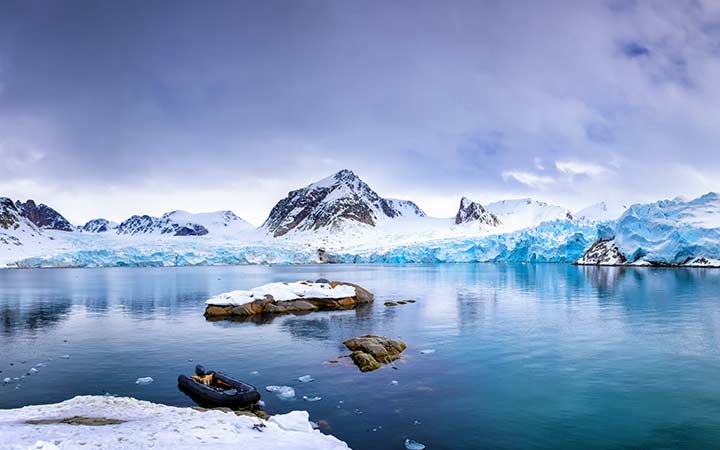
[{"x": 214, "y": 389}]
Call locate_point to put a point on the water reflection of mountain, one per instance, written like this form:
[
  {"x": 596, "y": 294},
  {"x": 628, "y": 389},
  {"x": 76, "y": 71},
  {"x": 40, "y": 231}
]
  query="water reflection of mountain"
[{"x": 37, "y": 316}]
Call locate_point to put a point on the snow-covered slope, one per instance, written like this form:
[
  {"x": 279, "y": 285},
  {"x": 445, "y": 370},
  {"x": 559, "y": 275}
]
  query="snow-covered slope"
[
  {"x": 673, "y": 232},
  {"x": 18, "y": 235},
  {"x": 136, "y": 425},
  {"x": 215, "y": 222},
  {"x": 331, "y": 204},
  {"x": 159, "y": 225},
  {"x": 600, "y": 212},
  {"x": 526, "y": 212}
]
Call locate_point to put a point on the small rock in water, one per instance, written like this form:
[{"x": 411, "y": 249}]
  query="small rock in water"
[
  {"x": 283, "y": 392},
  {"x": 311, "y": 399},
  {"x": 306, "y": 379},
  {"x": 413, "y": 445},
  {"x": 144, "y": 380},
  {"x": 65, "y": 356},
  {"x": 427, "y": 351},
  {"x": 6, "y": 380}
]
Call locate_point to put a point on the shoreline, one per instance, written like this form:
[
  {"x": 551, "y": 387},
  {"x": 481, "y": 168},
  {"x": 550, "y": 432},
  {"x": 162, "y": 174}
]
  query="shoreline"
[{"x": 126, "y": 423}]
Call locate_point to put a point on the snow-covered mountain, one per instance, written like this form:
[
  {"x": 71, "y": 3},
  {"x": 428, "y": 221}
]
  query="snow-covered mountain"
[
  {"x": 98, "y": 226},
  {"x": 526, "y": 212},
  {"x": 215, "y": 222},
  {"x": 667, "y": 232},
  {"x": 332, "y": 203},
  {"x": 159, "y": 225},
  {"x": 19, "y": 237},
  {"x": 472, "y": 212},
  {"x": 600, "y": 212},
  {"x": 43, "y": 216}
]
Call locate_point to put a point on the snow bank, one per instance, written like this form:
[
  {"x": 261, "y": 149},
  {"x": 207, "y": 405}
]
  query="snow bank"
[
  {"x": 283, "y": 292},
  {"x": 151, "y": 425}
]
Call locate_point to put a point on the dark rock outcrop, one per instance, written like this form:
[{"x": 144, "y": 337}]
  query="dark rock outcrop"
[
  {"x": 369, "y": 351},
  {"x": 470, "y": 211},
  {"x": 43, "y": 216},
  {"x": 330, "y": 202}
]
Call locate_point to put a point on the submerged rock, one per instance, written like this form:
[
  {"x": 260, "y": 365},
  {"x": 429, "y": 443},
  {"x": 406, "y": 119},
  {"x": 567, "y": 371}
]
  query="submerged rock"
[{"x": 369, "y": 351}]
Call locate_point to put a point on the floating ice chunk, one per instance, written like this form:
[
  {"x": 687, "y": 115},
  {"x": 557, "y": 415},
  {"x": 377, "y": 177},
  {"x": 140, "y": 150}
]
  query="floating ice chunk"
[
  {"x": 40, "y": 365},
  {"x": 261, "y": 403},
  {"x": 65, "y": 356},
  {"x": 33, "y": 370},
  {"x": 306, "y": 379},
  {"x": 283, "y": 392},
  {"x": 6, "y": 380},
  {"x": 427, "y": 351},
  {"x": 413, "y": 445},
  {"x": 314, "y": 425},
  {"x": 254, "y": 372},
  {"x": 311, "y": 399},
  {"x": 144, "y": 380},
  {"x": 394, "y": 382},
  {"x": 293, "y": 421}
]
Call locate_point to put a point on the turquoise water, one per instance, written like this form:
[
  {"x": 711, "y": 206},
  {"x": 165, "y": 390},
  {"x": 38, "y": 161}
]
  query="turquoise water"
[{"x": 526, "y": 356}]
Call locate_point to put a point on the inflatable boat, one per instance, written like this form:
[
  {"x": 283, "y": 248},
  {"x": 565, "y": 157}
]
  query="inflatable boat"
[{"x": 213, "y": 389}]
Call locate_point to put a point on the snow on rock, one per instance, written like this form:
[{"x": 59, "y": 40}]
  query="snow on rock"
[
  {"x": 333, "y": 202},
  {"x": 151, "y": 425},
  {"x": 667, "y": 232},
  {"x": 526, "y": 212},
  {"x": 602, "y": 253},
  {"x": 283, "y": 292},
  {"x": 470, "y": 211},
  {"x": 159, "y": 225},
  {"x": 215, "y": 222},
  {"x": 293, "y": 421},
  {"x": 98, "y": 226}
]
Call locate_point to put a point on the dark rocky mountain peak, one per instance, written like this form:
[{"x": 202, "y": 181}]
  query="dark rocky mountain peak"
[
  {"x": 470, "y": 211},
  {"x": 333, "y": 201},
  {"x": 43, "y": 216}
]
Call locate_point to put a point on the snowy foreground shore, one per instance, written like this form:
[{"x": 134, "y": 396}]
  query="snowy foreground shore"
[{"x": 126, "y": 423}]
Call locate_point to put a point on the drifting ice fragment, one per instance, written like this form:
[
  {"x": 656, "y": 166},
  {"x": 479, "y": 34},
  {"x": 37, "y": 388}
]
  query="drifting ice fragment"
[
  {"x": 283, "y": 392},
  {"x": 306, "y": 379},
  {"x": 413, "y": 445},
  {"x": 427, "y": 351},
  {"x": 261, "y": 403},
  {"x": 6, "y": 380},
  {"x": 65, "y": 356},
  {"x": 144, "y": 380},
  {"x": 33, "y": 370},
  {"x": 394, "y": 382},
  {"x": 311, "y": 399},
  {"x": 254, "y": 372}
]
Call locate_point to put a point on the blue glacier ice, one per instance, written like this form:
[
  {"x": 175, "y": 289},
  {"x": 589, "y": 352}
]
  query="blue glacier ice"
[
  {"x": 177, "y": 255},
  {"x": 671, "y": 231},
  {"x": 553, "y": 241}
]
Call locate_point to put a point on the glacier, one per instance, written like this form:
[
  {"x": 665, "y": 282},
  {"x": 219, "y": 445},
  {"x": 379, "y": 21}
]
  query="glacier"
[
  {"x": 557, "y": 241},
  {"x": 666, "y": 232}
]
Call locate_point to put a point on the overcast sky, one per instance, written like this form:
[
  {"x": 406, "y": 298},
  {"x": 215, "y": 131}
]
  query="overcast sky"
[{"x": 110, "y": 108}]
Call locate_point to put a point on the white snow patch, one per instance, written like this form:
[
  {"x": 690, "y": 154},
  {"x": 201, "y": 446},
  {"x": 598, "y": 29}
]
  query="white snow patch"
[
  {"x": 283, "y": 292},
  {"x": 151, "y": 425}
]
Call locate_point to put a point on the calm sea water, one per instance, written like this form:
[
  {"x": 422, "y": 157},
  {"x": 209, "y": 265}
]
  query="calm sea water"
[{"x": 526, "y": 356}]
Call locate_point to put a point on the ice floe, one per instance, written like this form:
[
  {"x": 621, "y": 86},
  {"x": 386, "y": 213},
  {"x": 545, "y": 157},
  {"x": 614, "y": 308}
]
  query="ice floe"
[
  {"x": 282, "y": 392},
  {"x": 144, "y": 380}
]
